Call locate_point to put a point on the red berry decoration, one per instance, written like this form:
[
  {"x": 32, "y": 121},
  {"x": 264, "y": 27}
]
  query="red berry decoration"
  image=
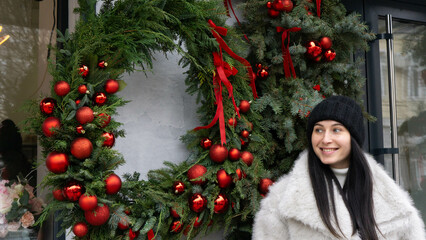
[
  {"x": 232, "y": 122},
  {"x": 221, "y": 203},
  {"x": 244, "y": 106},
  {"x": 84, "y": 115},
  {"x": 133, "y": 235},
  {"x": 234, "y": 154},
  {"x": 100, "y": 98},
  {"x": 197, "y": 203},
  {"x": 84, "y": 70},
  {"x": 88, "y": 203},
  {"x": 247, "y": 158},
  {"x": 47, "y": 106},
  {"x": 112, "y": 184},
  {"x": 313, "y": 50},
  {"x": 80, "y": 129},
  {"x": 206, "y": 143},
  {"x": 224, "y": 180},
  {"x": 264, "y": 185},
  {"x": 102, "y": 64},
  {"x": 245, "y": 134},
  {"x": 262, "y": 73},
  {"x": 244, "y": 144},
  {"x": 273, "y": 13},
  {"x": 317, "y": 87},
  {"x": 82, "y": 89},
  {"x": 178, "y": 187},
  {"x": 73, "y": 190},
  {"x": 62, "y": 88},
  {"x": 98, "y": 216},
  {"x": 176, "y": 226},
  {"x": 81, "y": 148},
  {"x": 57, "y": 162},
  {"x": 58, "y": 194},
  {"x": 287, "y": 5},
  {"x": 80, "y": 229},
  {"x": 325, "y": 43},
  {"x": 329, "y": 55},
  {"x": 218, "y": 153},
  {"x": 109, "y": 139},
  {"x": 123, "y": 224},
  {"x": 104, "y": 119},
  {"x": 111, "y": 86},
  {"x": 50, "y": 125},
  {"x": 195, "y": 172}
]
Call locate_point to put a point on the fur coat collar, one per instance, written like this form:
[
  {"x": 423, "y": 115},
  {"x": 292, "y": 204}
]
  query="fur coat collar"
[{"x": 289, "y": 211}]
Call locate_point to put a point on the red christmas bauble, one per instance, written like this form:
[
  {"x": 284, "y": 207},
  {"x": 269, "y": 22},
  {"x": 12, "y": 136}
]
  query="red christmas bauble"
[
  {"x": 174, "y": 213},
  {"x": 313, "y": 50},
  {"x": 287, "y": 5},
  {"x": 244, "y": 106},
  {"x": 84, "y": 70},
  {"x": 112, "y": 184},
  {"x": 232, "y": 122},
  {"x": 102, "y": 64},
  {"x": 111, "y": 86},
  {"x": 62, "y": 88},
  {"x": 317, "y": 87},
  {"x": 84, "y": 115},
  {"x": 50, "y": 125},
  {"x": 240, "y": 174},
  {"x": 73, "y": 190},
  {"x": 325, "y": 43},
  {"x": 58, "y": 194},
  {"x": 88, "y": 203},
  {"x": 234, "y": 154},
  {"x": 80, "y": 229},
  {"x": 218, "y": 153},
  {"x": 82, "y": 89},
  {"x": 127, "y": 211},
  {"x": 109, "y": 139},
  {"x": 247, "y": 158},
  {"x": 57, "y": 162},
  {"x": 329, "y": 55},
  {"x": 81, "y": 148},
  {"x": 273, "y": 13},
  {"x": 224, "y": 180},
  {"x": 206, "y": 143},
  {"x": 104, "y": 119},
  {"x": 133, "y": 235},
  {"x": 77, "y": 101},
  {"x": 98, "y": 216},
  {"x": 176, "y": 226},
  {"x": 123, "y": 224},
  {"x": 263, "y": 73},
  {"x": 47, "y": 106},
  {"x": 264, "y": 185},
  {"x": 178, "y": 187},
  {"x": 197, "y": 222},
  {"x": 221, "y": 203},
  {"x": 197, "y": 203},
  {"x": 244, "y": 144},
  {"x": 80, "y": 129},
  {"x": 245, "y": 134},
  {"x": 197, "y": 171},
  {"x": 278, "y": 5},
  {"x": 100, "y": 98}
]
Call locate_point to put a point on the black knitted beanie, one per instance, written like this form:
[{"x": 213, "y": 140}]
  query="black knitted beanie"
[{"x": 341, "y": 109}]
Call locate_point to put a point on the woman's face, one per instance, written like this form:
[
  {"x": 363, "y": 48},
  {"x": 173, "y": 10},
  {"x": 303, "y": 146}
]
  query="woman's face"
[{"x": 332, "y": 143}]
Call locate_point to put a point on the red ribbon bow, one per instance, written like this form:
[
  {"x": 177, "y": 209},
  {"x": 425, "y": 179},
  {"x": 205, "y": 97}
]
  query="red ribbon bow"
[
  {"x": 318, "y": 2},
  {"x": 287, "y": 62},
  {"x": 217, "y": 31},
  {"x": 150, "y": 235}
]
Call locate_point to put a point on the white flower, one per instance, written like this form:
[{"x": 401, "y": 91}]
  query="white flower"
[
  {"x": 3, "y": 231},
  {"x": 27, "y": 220},
  {"x": 13, "y": 226},
  {"x": 6, "y": 198},
  {"x": 3, "y": 219}
]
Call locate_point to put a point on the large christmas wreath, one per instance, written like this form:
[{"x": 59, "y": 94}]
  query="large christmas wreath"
[{"x": 256, "y": 83}]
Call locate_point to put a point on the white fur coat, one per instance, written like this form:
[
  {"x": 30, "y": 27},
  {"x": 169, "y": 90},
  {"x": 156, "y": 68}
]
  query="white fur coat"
[{"x": 289, "y": 211}]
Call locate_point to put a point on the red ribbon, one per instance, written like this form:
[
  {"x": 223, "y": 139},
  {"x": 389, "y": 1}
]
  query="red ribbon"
[
  {"x": 318, "y": 8},
  {"x": 150, "y": 235},
  {"x": 229, "y": 3},
  {"x": 217, "y": 31},
  {"x": 287, "y": 62},
  {"x": 223, "y": 71}
]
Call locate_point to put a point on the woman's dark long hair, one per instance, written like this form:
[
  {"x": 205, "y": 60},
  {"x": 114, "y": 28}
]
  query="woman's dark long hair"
[{"x": 357, "y": 192}]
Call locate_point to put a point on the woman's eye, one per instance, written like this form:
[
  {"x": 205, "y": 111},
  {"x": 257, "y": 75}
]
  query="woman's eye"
[
  {"x": 318, "y": 130},
  {"x": 336, "y": 130}
]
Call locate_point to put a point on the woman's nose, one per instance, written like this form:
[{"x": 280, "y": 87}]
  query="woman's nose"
[{"x": 327, "y": 137}]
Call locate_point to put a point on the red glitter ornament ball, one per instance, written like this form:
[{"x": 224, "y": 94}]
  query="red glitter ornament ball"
[
  {"x": 50, "y": 125},
  {"x": 57, "y": 162},
  {"x": 245, "y": 134},
  {"x": 84, "y": 70},
  {"x": 109, "y": 139},
  {"x": 100, "y": 98},
  {"x": 313, "y": 50},
  {"x": 197, "y": 171},
  {"x": 84, "y": 115},
  {"x": 218, "y": 153},
  {"x": 234, "y": 154},
  {"x": 329, "y": 55},
  {"x": 80, "y": 229},
  {"x": 123, "y": 224},
  {"x": 174, "y": 213},
  {"x": 197, "y": 203},
  {"x": 232, "y": 122},
  {"x": 221, "y": 203},
  {"x": 287, "y": 5},
  {"x": 178, "y": 187},
  {"x": 264, "y": 185},
  {"x": 111, "y": 86},
  {"x": 98, "y": 216},
  {"x": 176, "y": 226},
  {"x": 62, "y": 88},
  {"x": 47, "y": 106},
  {"x": 197, "y": 222},
  {"x": 58, "y": 194},
  {"x": 81, "y": 148},
  {"x": 82, "y": 89},
  {"x": 73, "y": 190},
  {"x": 244, "y": 106},
  {"x": 247, "y": 158},
  {"x": 278, "y": 5},
  {"x": 87, "y": 203},
  {"x": 104, "y": 119},
  {"x": 325, "y": 43},
  {"x": 206, "y": 143},
  {"x": 224, "y": 180},
  {"x": 102, "y": 64},
  {"x": 112, "y": 184}
]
